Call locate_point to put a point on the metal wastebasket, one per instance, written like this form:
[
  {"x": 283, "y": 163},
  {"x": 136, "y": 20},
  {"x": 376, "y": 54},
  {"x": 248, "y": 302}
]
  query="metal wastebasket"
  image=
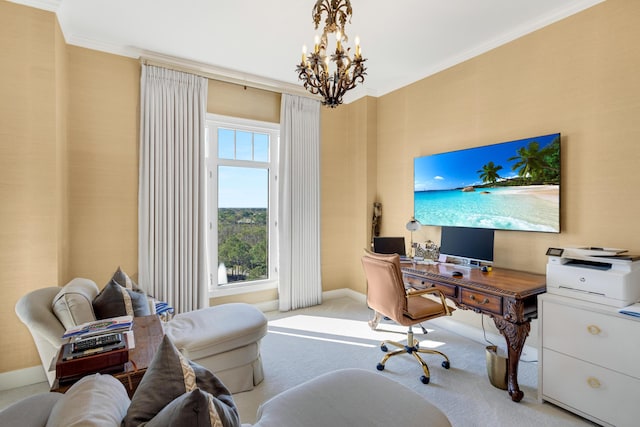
[{"x": 496, "y": 367}]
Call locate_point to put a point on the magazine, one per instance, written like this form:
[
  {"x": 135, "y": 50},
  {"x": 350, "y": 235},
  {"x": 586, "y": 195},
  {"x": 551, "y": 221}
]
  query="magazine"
[
  {"x": 632, "y": 310},
  {"x": 99, "y": 327}
]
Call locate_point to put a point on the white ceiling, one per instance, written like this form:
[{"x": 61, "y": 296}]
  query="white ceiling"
[{"x": 403, "y": 40}]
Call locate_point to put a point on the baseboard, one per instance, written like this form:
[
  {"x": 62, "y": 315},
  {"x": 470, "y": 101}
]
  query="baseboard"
[
  {"x": 22, "y": 377},
  {"x": 267, "y": 306},
  {"x": 273, "y": 305},
  {"x": 345, "y": 292}
]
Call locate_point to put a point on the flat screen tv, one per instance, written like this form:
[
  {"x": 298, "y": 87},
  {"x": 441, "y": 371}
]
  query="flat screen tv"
[
  {"x": 471, "y": 246},
  {"x": 507, "y": 186}
]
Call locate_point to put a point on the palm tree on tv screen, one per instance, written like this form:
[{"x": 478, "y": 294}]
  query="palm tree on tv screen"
[
  {"x": 489, "y": 173},
  {"x": 535, "y": 164}
]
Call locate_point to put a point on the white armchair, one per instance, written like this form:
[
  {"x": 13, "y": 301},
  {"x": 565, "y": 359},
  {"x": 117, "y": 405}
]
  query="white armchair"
[
  {"x": 35, "y": 310},
  {"x": 225, "y": 338}
]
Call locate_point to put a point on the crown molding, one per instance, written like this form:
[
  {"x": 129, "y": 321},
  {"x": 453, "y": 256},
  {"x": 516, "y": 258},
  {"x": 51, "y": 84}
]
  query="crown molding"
[
  {"x": 223, "y": 74},
  {"x": 128, "y": 51},
  {"x": 50, "y": 5}
]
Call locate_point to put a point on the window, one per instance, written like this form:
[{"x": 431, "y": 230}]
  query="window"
[{"x": 242, "y": 202}]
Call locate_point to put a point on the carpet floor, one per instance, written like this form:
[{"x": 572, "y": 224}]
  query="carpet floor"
[{"x": 305, "y": 343}]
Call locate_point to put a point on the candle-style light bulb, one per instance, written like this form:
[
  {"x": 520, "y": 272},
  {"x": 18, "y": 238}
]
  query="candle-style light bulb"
[
  {"x": 304, "y": 53},
  {"x": 316, "y": 41},
  {"x": 338, "y": 39},
  {"x": 357, "y": 46}
]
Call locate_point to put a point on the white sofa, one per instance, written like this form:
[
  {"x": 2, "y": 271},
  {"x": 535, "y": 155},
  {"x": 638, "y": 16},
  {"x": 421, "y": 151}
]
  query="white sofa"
[
  {"x": 348, "y": 397},
  {"x": 225, "y": 338}
]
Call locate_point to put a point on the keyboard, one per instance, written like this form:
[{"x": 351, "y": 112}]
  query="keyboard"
[{"x": 96, "y": 342}]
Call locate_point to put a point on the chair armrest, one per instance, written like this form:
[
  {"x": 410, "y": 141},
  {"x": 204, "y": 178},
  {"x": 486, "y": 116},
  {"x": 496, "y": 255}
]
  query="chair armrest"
[{"x": 412, "y": 292}]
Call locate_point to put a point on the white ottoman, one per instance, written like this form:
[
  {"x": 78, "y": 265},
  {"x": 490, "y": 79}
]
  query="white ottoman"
[
  {"x": 350, "y": 397},
  {"x": 224, "y": 339}
]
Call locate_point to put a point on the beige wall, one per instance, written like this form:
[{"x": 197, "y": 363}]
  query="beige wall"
[
  {"x": 62, "y": 178},
  {"x": 348, "y": 186},
  {"x": 241, "y": 101},
  {"x": 578, "y": 77},
  {"x": 69, "y": 163},
  {"x": 31, "y": 190},
  {"x": 103, "y": 164}
]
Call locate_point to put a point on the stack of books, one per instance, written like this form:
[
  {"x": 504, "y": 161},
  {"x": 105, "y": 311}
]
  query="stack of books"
[
  {"x": 100, "y": 327},
  {"x": 98, "y": 346}
]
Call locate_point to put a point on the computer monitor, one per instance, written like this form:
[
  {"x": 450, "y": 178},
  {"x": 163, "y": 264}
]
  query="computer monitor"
[
  {"x": 389, "y": 245},
  {"x": 472, "y": 246}
]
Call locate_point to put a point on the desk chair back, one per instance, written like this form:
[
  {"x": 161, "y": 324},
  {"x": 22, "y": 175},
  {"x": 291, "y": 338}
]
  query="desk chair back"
[{"x": 385, "y": 288}]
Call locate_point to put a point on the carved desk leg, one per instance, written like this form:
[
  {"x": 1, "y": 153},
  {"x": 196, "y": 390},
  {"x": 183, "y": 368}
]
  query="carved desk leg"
[{"x": 515, "y": 334}]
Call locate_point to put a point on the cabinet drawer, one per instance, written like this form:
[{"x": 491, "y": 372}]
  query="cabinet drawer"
[
  {"x": 607, "y": 395},
  {"x": 597, "y": 338},
  {"x": 481, "y": 301}
]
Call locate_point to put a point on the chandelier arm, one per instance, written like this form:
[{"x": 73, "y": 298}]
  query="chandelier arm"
[{"x": 314, "y": 70}]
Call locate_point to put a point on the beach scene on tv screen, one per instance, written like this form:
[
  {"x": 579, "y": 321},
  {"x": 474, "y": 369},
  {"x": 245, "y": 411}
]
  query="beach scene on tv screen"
[{"x": 507, "y": 186}]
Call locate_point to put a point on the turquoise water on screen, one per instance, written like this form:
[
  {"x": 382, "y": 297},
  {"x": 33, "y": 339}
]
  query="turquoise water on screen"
[{"x": 503, "y": 208}]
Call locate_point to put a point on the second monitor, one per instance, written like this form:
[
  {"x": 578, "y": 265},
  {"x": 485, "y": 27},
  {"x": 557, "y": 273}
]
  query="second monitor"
[{"x": 389, "y": 245}]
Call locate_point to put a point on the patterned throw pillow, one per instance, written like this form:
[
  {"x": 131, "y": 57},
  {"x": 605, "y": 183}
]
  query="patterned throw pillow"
[
  {"x": 177, "y": 391},
  {"x": 122, "y": 279},
  {"x": 194, "y": 408},
  {"x": 115, "y": 300}
]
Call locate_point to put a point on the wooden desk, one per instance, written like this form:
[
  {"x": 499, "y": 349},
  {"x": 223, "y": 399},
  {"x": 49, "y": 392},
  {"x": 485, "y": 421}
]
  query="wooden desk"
[
  {"x": 147, "y": 333},
  {"x": 508, "y": 296}
]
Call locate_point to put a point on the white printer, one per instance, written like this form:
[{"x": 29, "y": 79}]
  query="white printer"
[{"x": 601, "y": 275}]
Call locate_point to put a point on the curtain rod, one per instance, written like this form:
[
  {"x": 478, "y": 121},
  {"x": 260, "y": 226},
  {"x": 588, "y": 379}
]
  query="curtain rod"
[{"x": 222, "y": 74}]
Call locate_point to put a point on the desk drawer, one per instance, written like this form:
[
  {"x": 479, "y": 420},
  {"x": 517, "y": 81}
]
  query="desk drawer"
[
  {"x": 481, "y": 301},
  {"x": 421, "y": 283}
]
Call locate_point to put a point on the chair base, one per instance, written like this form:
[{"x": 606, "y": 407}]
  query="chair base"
[{"x": 413, "y": 349}]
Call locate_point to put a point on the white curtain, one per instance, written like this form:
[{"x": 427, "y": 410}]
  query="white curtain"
[
  {"x": 171, "y": 200},
  {"x": 299, "y": 228}
]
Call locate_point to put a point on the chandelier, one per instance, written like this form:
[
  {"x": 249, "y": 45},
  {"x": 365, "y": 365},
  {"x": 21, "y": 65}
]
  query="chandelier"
[{"x": 331, "y": 82}]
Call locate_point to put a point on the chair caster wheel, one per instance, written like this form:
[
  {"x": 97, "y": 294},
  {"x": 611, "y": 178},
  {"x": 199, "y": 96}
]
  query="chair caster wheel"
[
  {"x": 424, "y": 379},
  {"x": 446, "y": 364},
  {"x": 384, "y": 348},
  {"x": 380, "y": 367}
]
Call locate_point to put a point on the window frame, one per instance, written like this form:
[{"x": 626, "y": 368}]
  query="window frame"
[{"x": 213, "y": 122}]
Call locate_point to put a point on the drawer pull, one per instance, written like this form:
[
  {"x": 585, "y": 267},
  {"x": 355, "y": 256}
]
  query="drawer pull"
[
  {"x": 593, "y": 382},
  {"x": 594, "y": 330},
  {"x": 484, "y": 301}
]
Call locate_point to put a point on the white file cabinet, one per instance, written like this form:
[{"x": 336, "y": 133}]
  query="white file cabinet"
[{"x": 589, "y": 360}]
